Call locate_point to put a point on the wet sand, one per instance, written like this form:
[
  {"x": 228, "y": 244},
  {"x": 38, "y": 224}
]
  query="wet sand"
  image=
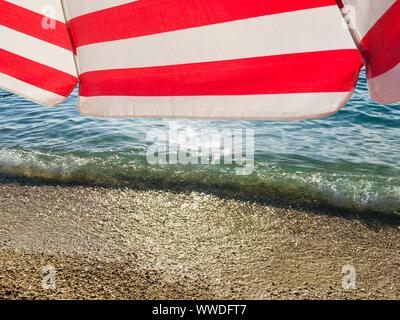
[{"x": 110, "y": 243}]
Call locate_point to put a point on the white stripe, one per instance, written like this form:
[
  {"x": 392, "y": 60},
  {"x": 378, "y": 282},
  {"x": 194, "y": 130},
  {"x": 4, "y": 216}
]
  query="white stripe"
[
  {"x": 302, "y": 31},
  {"x": 30, "y": 92},
  {"x": 44, "y": 7},
  {"x": 37, "y": 50},
  {"x": 365, "y": 13},
  {"x": 386, "y": 88},
  {"x": 268, "y": 107},
  {"x": 76, "y": 8}
]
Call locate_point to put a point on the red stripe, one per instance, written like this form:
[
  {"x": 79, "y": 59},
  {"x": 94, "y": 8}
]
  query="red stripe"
[
  {"x": 381, "y": 45},
  {"x": 328, "y": 71},
  {"x": 30, "y": 23},
  {"x": 340, "y": 4},
  {"x": 36, "y": 74},
  {"x": 148, "y": 17}
]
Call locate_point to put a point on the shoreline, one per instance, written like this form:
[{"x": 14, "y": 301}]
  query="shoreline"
[{"x": 121, "y": 243}]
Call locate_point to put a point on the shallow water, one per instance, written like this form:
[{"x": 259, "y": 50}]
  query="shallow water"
[{"x": 351, "y": 159}]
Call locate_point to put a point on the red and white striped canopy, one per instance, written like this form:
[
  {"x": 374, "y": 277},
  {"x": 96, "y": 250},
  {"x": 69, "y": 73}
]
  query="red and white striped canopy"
[
  {"x": 376, "y": 28},
  {"x": 36, "y": 58},
  {"x": 236, "y": 59}
]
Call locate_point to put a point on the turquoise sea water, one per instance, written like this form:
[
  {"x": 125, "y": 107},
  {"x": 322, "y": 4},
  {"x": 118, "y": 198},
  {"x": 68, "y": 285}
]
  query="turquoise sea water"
[{"x": 351, "y": 159}]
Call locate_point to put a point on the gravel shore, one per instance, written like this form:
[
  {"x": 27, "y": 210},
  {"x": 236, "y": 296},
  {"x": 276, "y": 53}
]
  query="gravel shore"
[{"x": 110, "y": 243}]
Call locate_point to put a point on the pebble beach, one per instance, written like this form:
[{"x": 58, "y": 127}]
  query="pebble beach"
[{"x": 122, "y": 243}]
